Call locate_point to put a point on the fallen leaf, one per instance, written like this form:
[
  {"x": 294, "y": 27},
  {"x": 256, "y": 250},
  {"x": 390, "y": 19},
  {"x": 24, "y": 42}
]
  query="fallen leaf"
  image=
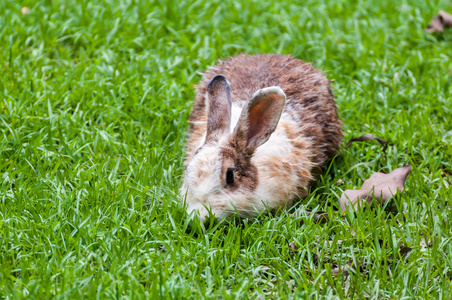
[
  {"x": 382, "y": 186},
  {"x": 339, "y": 182},
  {"x": 368, "y": 137},
  {"x": 318, "y": 217},
  {"x": 345, "y": 268},
  {"x": 403, "y": 251},
  {"x": 438, "y": 23},
  {"x": 424, "y": 243},
  {"x": 292, "y": 247}
]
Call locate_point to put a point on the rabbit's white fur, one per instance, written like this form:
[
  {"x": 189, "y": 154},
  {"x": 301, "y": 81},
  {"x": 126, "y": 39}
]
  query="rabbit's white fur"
[{"x": 205, "y": 192}]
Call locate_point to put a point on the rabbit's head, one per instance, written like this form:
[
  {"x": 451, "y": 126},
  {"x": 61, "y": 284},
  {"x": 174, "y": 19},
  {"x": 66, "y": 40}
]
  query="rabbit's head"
[{"x": 221, "y": 179}]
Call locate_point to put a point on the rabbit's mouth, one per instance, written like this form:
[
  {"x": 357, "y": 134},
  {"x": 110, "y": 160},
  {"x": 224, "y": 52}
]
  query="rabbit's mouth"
[{"x": 204, "y": 211}]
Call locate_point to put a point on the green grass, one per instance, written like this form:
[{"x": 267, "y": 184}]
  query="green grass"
[{"x": 94, "y": 101}]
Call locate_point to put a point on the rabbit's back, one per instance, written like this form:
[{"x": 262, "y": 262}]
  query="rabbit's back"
[{"x": 309, "y": 98}]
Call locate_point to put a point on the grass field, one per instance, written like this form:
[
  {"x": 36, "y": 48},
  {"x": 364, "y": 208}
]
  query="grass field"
[{"x": 94, "y": 101}]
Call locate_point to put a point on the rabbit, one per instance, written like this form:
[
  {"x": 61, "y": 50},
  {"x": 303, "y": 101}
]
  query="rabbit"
[{"x": 261, "y": 128}]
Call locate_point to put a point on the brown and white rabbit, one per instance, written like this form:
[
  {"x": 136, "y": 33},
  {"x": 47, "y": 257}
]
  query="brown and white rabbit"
[{"x": 261, "y": 150}]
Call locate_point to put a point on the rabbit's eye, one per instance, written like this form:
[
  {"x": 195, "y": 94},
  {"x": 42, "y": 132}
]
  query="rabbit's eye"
[{"x": 230, "y": 175}]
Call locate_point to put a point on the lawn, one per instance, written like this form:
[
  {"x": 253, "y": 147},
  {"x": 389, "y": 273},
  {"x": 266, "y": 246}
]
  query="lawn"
[{"x": 94, "y": 101}]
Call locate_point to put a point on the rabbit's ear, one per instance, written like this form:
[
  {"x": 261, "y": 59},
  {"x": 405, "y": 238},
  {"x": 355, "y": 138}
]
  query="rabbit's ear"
[
  {"x": 259, "y": 118},
  {"x": 218, "y": 108}
]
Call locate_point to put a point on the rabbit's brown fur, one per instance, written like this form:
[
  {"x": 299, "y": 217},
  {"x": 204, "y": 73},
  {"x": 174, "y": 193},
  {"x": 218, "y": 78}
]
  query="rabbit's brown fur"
[
  {"x": 309, "y": 122},
  {"x": 308, "y": 92}
]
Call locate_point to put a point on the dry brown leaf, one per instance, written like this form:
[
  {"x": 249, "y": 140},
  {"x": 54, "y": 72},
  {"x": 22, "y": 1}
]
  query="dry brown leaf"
[
  {"x": 438, "y": 23},
  {"x": 368, "y": 137},
  {"x": 345, "y": 268},
  {"x": 382, "y": 186},
  {"x": 319, "y": 217},
  {"x": 292, "y": 247},
  {"x": 403, "y": 251}
]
